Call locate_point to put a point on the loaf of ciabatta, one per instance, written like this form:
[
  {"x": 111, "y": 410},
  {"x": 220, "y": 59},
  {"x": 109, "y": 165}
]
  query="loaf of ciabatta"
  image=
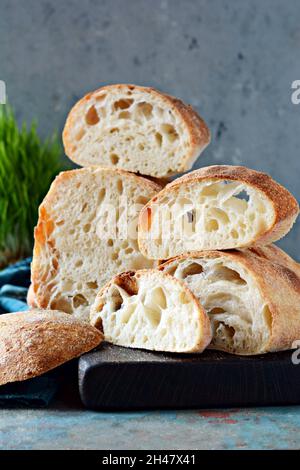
[
  {"x": 251, "y": 296},
  {"x": 215, "y": 208},
  {"x": 32, "y": 343},
  {"x": 86, "y": 233},
  {"x": 135, "y": 128},
  {"x": 148, "y": 309}
]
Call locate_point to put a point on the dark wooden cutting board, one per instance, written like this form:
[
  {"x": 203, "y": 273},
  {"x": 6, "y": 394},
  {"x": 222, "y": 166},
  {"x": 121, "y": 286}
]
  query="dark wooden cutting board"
[{"x": 115, "y": 378}]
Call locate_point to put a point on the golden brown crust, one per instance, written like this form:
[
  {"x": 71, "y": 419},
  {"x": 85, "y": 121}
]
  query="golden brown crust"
[
  {"x": 142, "y": 180},
  {"x": 197, "y": 128},
  {"x": 274, "y": 254},
  {"x": 160, "y": 181},
  {"x": 286, "y": 207},
  {"x": 35, "y": 342},
  {"x": 128, "y": 281},
  {"x": 278, "y": 279}
]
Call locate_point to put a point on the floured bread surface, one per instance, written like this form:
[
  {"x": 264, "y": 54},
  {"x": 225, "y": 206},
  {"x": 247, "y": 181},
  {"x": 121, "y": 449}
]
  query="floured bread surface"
[
  {"x": 86, "y": 233},
  {"x": 151, "y": 310},
  {"x": 217, "y": 207},
  {"x": 252, "y": 296},
  {"x": 135, "y": 128},
  {"x": 35, "y": 342}
]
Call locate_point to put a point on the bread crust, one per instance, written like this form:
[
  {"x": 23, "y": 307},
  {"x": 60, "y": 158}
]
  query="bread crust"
[
  {"x": 199, "y": 133},
  {"x": 129, "y": 281},
  {"x": 31, "y": 297},
  {"x": 285, "y": 206},
  {"x": 40, "y": 290},
  {"x": 35, "y": 342},
  {"x": 277, "y": 277}
]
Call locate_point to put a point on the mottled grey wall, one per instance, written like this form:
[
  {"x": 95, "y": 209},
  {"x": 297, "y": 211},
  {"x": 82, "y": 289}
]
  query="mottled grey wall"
[{"x": 234, "y": 60}]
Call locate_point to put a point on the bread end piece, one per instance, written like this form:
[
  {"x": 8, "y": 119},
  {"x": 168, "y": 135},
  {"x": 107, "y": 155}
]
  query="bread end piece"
[
  {"x": 151, "y": 310},
  {"x": 251, "y": 296},
  {"x": 136, "y": 128},
  {"x": 37, "y": 341},
  {"x": 286, "y": 206},
  {"x": 217, "y": 207}
]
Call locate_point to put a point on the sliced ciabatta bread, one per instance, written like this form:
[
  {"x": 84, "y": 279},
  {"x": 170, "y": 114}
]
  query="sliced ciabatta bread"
[
  {"x": 148, "y": 309},
  {"x": 135, "y": 128},
  {"x": 34, "y": 342},
  {"x": 217, "y": 207},
  {"x": 86, "y": 233},
  {"x": 251, "y": 296}
]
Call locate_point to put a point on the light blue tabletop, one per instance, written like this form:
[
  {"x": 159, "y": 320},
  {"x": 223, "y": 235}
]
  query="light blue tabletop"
[{"x": 76, "y": 428}]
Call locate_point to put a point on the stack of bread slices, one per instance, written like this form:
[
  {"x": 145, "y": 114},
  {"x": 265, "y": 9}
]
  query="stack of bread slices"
[{"x": 167, "y": 266}]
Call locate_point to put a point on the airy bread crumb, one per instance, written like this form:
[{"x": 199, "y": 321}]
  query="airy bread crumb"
[
  {"x": 251, "y": 296},
  {"x": 217, "y": 207},
  {"x": 86, "y": 233},
  {"x": 138, "y": 129},
  {"x": 148, "y": 309}
]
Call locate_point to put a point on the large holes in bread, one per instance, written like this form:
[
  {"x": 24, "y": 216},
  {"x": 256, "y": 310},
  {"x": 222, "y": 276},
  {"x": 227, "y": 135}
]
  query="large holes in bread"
[
  {"x": 130, "y": 124},
  {"x": 240, "y": 319},
  {"x": 79, "y": 256},
  {"x": 161, "y": 314},
  {"x": 204, "y": 215}
]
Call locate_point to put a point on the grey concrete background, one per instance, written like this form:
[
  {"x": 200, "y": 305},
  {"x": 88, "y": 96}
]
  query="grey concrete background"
[{"x": 233, "y": 60}]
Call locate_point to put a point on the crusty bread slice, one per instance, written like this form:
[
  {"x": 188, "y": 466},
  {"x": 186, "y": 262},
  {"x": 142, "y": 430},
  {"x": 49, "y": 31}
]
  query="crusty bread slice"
[
  {"x": 86, "y": 233},
  {"x": 34, "y": 342},
  {"x": 251, "y": 296},
  {"x": 217, "y": 207},
  {"x": 148, "y": 309},
  {"x": 135, "y": 128}
]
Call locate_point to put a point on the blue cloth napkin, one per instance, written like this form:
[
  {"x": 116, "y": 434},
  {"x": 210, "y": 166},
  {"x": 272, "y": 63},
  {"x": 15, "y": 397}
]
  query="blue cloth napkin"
[
  {"x": 14, "y": 283},
  {"x": 39, "y": 391}
]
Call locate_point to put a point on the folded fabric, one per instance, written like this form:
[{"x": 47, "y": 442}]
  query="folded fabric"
[
  {"x": 39, "y": 391},
  {"x": 14, "y": 283}
]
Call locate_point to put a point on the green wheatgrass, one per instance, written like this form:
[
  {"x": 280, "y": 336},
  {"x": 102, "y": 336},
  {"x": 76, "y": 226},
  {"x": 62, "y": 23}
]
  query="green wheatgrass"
[{"x": 27, "y": 167}]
